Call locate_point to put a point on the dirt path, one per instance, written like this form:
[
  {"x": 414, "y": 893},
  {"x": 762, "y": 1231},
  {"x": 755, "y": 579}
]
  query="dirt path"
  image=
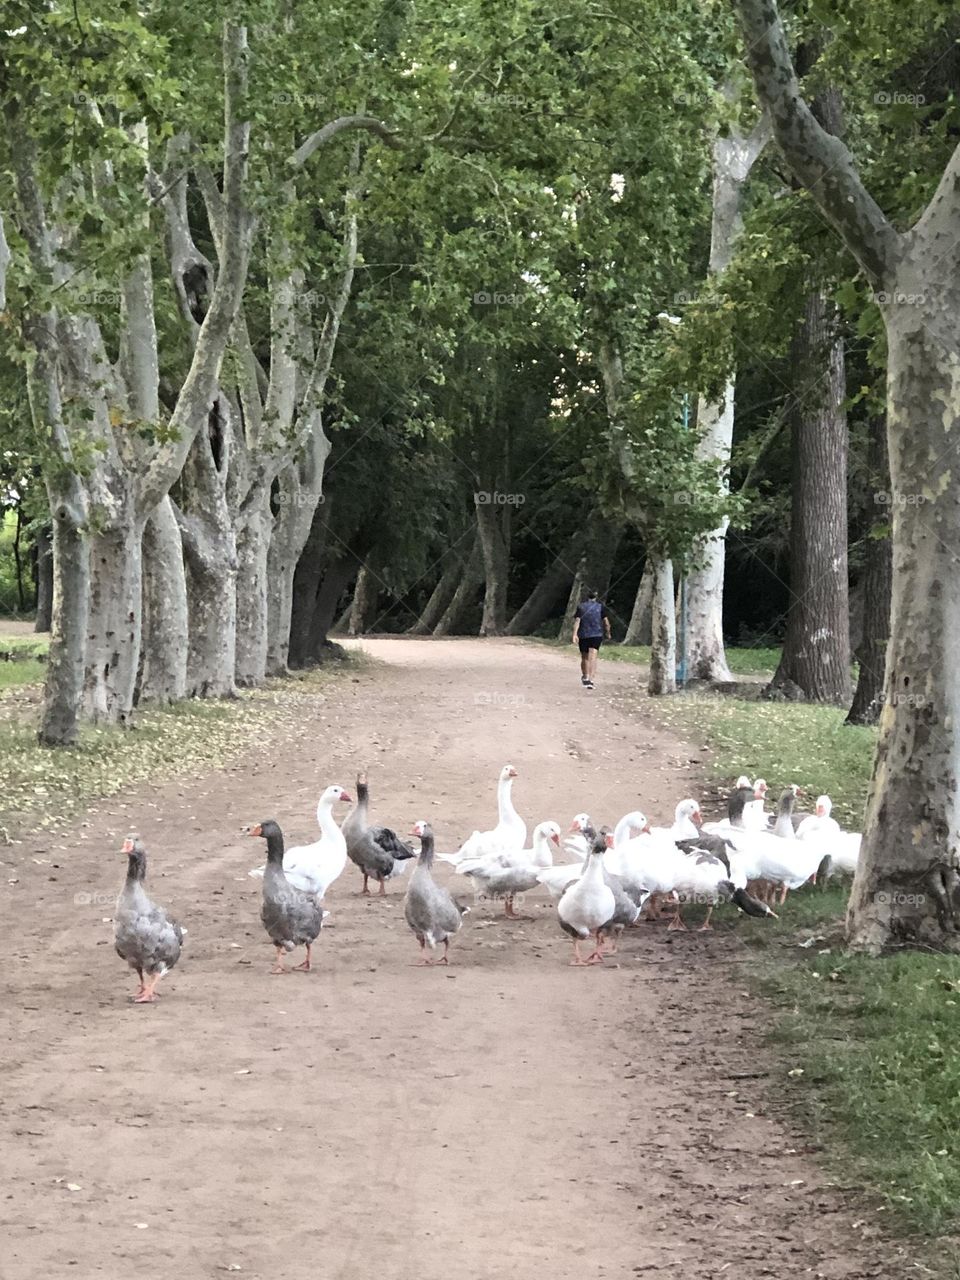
[{"x": 508, "y": 1115}]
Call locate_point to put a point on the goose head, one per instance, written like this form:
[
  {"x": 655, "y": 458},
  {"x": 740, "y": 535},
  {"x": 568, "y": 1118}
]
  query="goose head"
[
  {"x": 744, "y": 781},
  {"x": 330, "y": 796},
  {"x": 546, "y": 831},
  {"x": 688, "y": 811},
  {"x": 636, "y": 822},
  {"x": 421, "y": 829},
  {"x": 136, "y": 853},
  {"x": 580, "y": 822},
  {"x": 824, "y": 805},
  {"x": 760, "y": 788},
  {"x": 507, "y": 773}
]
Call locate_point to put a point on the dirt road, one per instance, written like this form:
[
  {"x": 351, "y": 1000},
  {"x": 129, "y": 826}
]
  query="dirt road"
[{"x": 508, "y": 1115}]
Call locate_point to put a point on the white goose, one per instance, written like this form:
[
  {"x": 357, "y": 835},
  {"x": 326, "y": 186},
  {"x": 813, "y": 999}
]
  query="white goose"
[
  {"x": 312, "y": 868},
  {"x": 704, "y": 878},
  {"x": 556, "y": 878},
  {"x": 755, "y": 816},
  {"x": 685, "y": 819},
  {"x": 505, "y": 875},
  {"x": 842, "y": 847},
  {"x": 586, "y": 907},
  {"x": 507, "y": 836}
]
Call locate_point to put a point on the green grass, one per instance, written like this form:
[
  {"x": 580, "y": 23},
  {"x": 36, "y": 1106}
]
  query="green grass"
[
  {"x": 869, "y": 1066},
  {"x": 28, "y": 671},
  {"x": 875, "y": 1075},
  {"x": 742, "y": 662},
  {"x": 783, "y": 742}
]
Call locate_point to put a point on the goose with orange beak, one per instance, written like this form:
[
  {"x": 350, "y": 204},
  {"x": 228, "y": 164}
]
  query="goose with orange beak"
[{"x": 143, "y": 934}]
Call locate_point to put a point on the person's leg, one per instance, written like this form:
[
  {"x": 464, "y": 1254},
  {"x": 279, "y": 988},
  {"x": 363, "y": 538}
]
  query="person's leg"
[
  {"x": 594, "y": 654},
  {"x": 584, "y": 663}
]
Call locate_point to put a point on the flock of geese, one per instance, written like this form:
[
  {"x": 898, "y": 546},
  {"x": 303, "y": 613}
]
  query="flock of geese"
[{"x": 752, "y": 858}]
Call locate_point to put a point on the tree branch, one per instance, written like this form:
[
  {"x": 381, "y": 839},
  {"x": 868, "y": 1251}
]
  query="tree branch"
[
  {"x": 199, "y": 387},
  {"x": 340, "y": 125},
  {"x": 820, "y": 161}
]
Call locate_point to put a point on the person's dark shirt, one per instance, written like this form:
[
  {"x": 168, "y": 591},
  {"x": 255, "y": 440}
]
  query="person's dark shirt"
[{"x": 591, "y": 614}]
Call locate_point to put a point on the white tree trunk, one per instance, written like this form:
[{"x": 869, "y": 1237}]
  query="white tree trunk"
[
  {"x": 639, "y": 628},
  {"x": 733, "y": 157},
  {"x": 252, "y": 554},
  {"x": 663, "y": 649},
  {"x": 113, "y": 628},
  {"x": 907, "y": 889},
  {"x": 163, "y": 668}
]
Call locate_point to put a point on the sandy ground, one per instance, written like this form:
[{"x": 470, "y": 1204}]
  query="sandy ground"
[{"x": 506, "y": 1115}]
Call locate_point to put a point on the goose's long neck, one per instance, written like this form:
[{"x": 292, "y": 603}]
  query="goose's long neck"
[
  {"x": 621, "y": 832},
  {"x": 784, "y": 825},
  {"x": 505, "y": 809},
  {"x": 363, "y": 799},
  {"x": 735, "y": 806},
  {"x": 594, "y": 871},
  {"x": 275, "y": 848},
  {"x": 542, "y": 854},
  {"x": 325, "y": 818},
  {"x": 426, "y": 851}
]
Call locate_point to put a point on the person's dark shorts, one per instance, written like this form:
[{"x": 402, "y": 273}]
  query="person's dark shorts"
[{"x": 590, "y": 642}]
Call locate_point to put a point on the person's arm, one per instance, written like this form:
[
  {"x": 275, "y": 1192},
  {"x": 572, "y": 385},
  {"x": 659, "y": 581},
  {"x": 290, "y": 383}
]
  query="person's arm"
[
  {"x": 576, "y": 626},
  {"x": 606, "y": 622}
]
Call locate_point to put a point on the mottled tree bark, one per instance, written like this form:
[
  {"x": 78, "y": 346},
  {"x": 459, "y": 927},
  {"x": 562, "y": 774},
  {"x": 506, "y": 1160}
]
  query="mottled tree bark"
[
  {"x": 493, "y": 527},
  {"x": 363, "y": 607},
  {"x": 816, "y": 649},
  {"x": 640, "y": 626},
  {"x": 440, "y": 597},
  {"x": 907, "y": 890},
  {"x": 663, "y": 649},
  {"x": 877, "y": 586},
  {"x": 44, "y": 549},
  {"x": 163, "y": 667}
]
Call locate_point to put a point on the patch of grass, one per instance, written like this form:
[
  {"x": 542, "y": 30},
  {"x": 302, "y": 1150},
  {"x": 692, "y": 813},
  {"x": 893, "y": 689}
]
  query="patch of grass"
[
  {"x": 19, "y": 646},
  {"x": 28, "y": 671},
  {"x": 43, "y": 787},
  {"x": 876, "y": 1077},
  {"x": 783, "y": 742},
  {"x": 867, "y": 1045},
  {"x": 742, "y": 662}
]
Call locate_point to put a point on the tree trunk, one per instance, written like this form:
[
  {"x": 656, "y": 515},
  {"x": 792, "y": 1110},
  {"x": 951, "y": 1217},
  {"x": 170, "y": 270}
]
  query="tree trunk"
[
  {"x": 640, "y": 626},
  {"x": 210, "y": 553},
  {"x": 663, "y": 648},
  {"x": 63, "y": 686},
  {"x": 549, "y": 591},
  {"x": 816, "y": 650},
  {"x": 252, "y": 559},
  {"x": 464, "y": 595},
  {"x": 44, "y": 581},
  {"x": 439, "y": 599},
  {"x": 593, "y": 569},
  {"x": 906, "y": 891},
  {"x": 493, "y": 526},
  {"x": 305, "y": 586},
  {"x": 706, "y": 657},
  {"x": 334, "y": 583},
  {"x": 877, "y": 582},
  {"x": 113, "y": 624},
  {"x": 733, "y": 157},
  {"x": 164, "y": 643},
  {"x": 363, "y": 608}
]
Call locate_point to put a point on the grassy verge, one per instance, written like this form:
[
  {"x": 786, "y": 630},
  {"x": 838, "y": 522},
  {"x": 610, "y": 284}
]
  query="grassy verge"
[
  {"x": 742, "y": 662},
  {"x": 867, "y": 1045},
  {"x": 43, "y": 788},
  {"x": 21, "y": 660}
]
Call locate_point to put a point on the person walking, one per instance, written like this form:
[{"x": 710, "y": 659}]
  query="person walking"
[{"x": 591, "y": 626}]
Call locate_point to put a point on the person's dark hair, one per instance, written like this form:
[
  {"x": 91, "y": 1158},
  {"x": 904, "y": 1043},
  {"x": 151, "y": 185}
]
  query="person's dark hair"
[{"x": 593, "y": 595}]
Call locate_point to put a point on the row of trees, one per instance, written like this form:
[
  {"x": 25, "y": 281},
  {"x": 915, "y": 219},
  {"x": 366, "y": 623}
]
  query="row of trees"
[{"x": 404, "y": 298}]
